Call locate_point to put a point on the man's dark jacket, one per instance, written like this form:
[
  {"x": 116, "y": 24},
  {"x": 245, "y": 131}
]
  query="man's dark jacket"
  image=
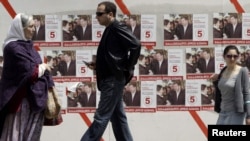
[{"x": 117, "y": 53}]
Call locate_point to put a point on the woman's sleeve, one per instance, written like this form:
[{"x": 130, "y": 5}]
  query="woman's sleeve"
[{"x": 246, "y": 94}]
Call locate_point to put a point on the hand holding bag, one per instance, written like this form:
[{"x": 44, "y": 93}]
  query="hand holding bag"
[
  {"x": 53, "y": 106},
  {"x": 52, "y": 111}
]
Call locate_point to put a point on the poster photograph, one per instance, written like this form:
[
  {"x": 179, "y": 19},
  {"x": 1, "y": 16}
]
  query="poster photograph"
[
  {"x": 231, "y": 28},
  {"x": 47, "y": 30},
  {"x": 185, "y": 29}
]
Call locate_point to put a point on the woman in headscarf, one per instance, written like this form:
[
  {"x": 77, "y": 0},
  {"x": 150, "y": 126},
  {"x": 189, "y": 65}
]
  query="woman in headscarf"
[{"x": 24, "y": 84}]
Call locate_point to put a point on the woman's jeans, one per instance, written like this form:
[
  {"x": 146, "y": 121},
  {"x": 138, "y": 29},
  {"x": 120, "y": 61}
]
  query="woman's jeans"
[{"x": 110, "y": 108}]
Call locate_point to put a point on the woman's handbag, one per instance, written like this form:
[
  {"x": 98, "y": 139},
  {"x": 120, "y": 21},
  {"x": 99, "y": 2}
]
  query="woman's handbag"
[{"x": 53, "y": 108}]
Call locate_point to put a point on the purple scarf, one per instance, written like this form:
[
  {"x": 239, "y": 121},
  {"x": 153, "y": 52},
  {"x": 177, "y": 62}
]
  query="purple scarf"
[{"x": 20, "y": 62}]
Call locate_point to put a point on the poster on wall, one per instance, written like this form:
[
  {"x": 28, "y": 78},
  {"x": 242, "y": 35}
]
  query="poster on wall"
[
  {"x": 175, "y": 61},
  {"x": 83, "y": 57},
  {"x": 185, "y": 29},
  {"x": 200, "y": 62},
  {"x": 148, "y": 30},
  {"x": 63, "y": 62},
  {"x": 219, "y": 60},
  {"x": 153, "y": 62},
  {"x": 171, "y": 95},
  {"x": 193, "y": 96},
  {"x": 231, "y": 28},
  {"x": 97, "y": 30},
  {"x": 47, "y": 31},
  {"x": 148, "y": 96},
  {"x": 81, "y": 97},
  {"x": 139, "y": 97},
  {"x": 77, "y": 31},
  {"x": 200, "y": 94},
  {"x": 142, "y": 26},
  {"x": 207, "y": 95}
]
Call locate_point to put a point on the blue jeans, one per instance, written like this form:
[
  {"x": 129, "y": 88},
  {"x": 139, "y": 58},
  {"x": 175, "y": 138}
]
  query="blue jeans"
[
  {"x": 110, "y": 108},
  {"x": 231, "y": 118}
]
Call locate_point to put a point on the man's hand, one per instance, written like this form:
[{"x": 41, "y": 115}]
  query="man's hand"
[
  {"x": 90, "y": 65},
  {"x": 214, "y": 77}
]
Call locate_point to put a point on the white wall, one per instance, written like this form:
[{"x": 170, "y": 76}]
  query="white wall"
[{"x": 160, "y": 126}]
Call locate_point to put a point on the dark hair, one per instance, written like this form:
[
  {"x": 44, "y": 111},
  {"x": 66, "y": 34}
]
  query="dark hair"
[
  {"x": 188, "y": 55},
  {"x": 215, "y": 20},
  {"x": 234, "y": 15},
  {"x": 230, "y": 47},
  {"x": 133, "y": 84},
  {"x": 109, "y": 7},
  {"x": 133, "y": 17},
  {"x": 166, "y": 21},
  {"x": 184, "y": 17},
  {"x": 158, "y": 87},
  {"x": 84, "y": 17},
  {"x": 141, "y": 57},
  {"x": 178, "y": 82},
  {"x": 37, "y": 17},
  {"x": 88, "y": 85},
  {"x": 64, "y": 22},
  {"x": 49, "y": 58},
  {"x": 203, "y": 86}
]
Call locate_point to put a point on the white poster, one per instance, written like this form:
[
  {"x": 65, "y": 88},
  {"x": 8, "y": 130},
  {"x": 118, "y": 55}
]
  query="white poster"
[
  {"x": 193, "y": 93},
  {"x": 81, "y": 68},
  {"x": 61, "y": 91},
  {"x": 97, "y": 29},
  {"x": 148, "y": 29},
  {"x": 53, "y": 28},
  {"x": 200, "y": 27},
  {"x": 219, "y": 60},
  {"x": 245, "y": 26},
  {"x": 175, "y": 62},
  {"x": 148, "y": 94}
]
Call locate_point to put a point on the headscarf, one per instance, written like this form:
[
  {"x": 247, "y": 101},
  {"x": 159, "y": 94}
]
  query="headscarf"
[{"x": 16, "y": 31}]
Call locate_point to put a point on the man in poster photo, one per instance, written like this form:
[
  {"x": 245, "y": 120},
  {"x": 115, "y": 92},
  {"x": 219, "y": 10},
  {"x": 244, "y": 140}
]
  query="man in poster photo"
[
  {"x": 39, "y": 34},
  {"x": 132, "y": 96},
  {"x": 160, "y": 98},
  {"x": 67, "y": 34},
  {"x": 177, "y": 94},
  {"x": 184, "y": 29},
  {"x": 87, "y": 97},
  {"x": 217, "y": 30},
  {"x": 234, "y": 27},
  {"x": 205, "y": 100},
  {"x": 135, "y": 26},
  {"x": 190, "y": 66},
  {"x": 159, "y": 64},
  {"x": 143, "y": 62},
  {"x": 169, "y": 33},
  {"x": 84, "y": 30},
  {"x": 206, "y": 62},
  {"x": 67, "y": 66}
]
